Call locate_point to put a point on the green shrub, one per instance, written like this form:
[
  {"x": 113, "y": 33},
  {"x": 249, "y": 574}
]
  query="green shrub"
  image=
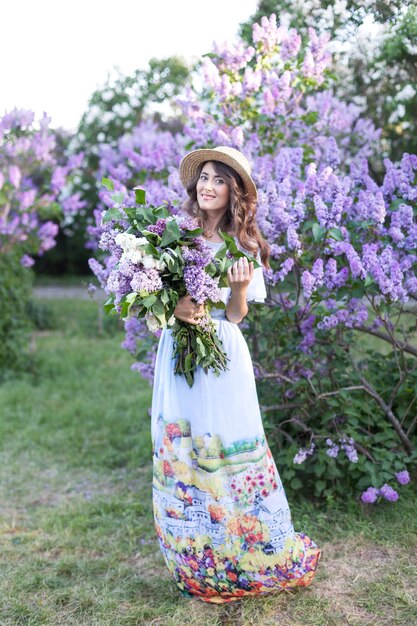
[{"x": 15, "y": 292}]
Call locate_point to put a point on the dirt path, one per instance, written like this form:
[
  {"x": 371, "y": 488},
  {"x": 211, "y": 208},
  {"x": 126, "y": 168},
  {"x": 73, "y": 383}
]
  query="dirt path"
[{"x": 63, "y": 291}]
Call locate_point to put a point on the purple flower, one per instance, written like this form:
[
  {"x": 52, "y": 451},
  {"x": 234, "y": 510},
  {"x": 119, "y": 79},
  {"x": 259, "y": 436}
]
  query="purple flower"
[
  {"x": 350, "y": 450},
  {"x": 303, "y": 453},
  {"x": 388, "y": 493},
  {"x": 403, "y": 477},
  {"x": 27, "y": 261},
  {"x": 158, "y": 228},
  {"x": 370, "y": 495},
  {"x": 146, "y": 280},
  {"x": 333, "y": 448},
  {"x": 15, "y": 176},
  {"x": 200, "y": 285}
]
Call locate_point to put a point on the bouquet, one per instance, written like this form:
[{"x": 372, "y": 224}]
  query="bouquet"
[{"x": 164, "y": 257}]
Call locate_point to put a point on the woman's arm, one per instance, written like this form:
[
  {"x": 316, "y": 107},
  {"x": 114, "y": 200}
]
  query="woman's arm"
[{"x": 239, "y": 276}]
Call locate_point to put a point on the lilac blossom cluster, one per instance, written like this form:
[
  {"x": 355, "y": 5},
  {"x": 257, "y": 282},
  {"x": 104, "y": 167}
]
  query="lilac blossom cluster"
[
  {"x": 34, "y": 179},
  {"x": 304, "y": 453},
  {"x": 370, "y": 495},
  {"x": 348, "y": 446}
]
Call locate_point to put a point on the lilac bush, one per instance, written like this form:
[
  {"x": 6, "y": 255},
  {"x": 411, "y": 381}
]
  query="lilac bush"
[
  {"x": 333, "y": 348},
  {"x": 34, "y": 199},
  {"x": 34, "y": 190}
]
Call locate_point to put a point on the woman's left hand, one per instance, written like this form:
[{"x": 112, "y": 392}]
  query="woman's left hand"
[{"x": 240, "y": 274}]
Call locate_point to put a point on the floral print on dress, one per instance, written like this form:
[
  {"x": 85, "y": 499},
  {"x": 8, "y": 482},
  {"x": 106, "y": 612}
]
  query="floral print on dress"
[{"x": 222, "y": 518}]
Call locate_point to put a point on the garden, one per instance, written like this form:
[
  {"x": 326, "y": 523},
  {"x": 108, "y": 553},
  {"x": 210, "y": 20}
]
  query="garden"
[{"x": 334, "y": 347}]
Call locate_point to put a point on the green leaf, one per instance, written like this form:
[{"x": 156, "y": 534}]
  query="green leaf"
[
  {"x": 149, "y": 300},
  {"x": 311, "y": 117},
  {"x": 131, "y": 297},
  {"x": 318, "y": 232},
  {"x": 118, "y": 197},
  {"x": 165, "y": 296},
  {"x": 201, "y": 346},
  {"x": 140, "y": 195},
  {"x": 368, "y": 280},
  {"x": 335, "y": 233},
  {"x": 171, "y": 233},
  {"x": 108, "y": 306},
  {"x": 395, "y": 204},
  {"x": 111, "y": 214},
  {"x": 108, "y": 184}
]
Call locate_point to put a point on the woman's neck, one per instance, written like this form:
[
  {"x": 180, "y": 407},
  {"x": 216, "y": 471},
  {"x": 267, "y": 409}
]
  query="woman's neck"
[{"x": 211, "y": 229}]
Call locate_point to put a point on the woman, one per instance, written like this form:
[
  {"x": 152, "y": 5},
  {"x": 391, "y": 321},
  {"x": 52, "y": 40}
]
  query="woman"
[{"x": 221, "y": 514}]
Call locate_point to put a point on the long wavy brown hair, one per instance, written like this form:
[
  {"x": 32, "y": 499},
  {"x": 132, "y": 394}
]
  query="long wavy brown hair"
[{"x": 240, "y": 217}]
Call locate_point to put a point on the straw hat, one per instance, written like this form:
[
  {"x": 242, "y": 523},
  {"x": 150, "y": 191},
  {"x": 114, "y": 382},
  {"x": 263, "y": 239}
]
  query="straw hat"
[{"x": 235, "y": 159}]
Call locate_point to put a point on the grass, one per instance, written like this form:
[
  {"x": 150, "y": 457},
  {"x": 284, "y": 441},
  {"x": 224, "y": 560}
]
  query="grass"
[{"x": 77, "y": 542}]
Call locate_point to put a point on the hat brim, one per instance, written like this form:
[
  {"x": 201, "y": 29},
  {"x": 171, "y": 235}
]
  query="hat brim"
[{"x": 190, "y": 162}]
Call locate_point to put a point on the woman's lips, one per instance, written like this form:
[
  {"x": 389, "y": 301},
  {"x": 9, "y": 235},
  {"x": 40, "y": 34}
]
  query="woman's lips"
[{"x": 205, "y": 197}]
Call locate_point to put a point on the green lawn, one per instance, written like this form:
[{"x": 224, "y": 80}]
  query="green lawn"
[{"x": 77, "y": 542}]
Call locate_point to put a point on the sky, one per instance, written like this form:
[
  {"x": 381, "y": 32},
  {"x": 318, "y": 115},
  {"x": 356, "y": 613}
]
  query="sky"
[{"x": 59, "y": 52}]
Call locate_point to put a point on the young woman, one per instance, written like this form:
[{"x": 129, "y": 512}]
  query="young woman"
[{"x": 221, "y": 514}]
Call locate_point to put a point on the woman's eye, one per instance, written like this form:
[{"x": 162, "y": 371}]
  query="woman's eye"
[{"x": 219, "y": 181}]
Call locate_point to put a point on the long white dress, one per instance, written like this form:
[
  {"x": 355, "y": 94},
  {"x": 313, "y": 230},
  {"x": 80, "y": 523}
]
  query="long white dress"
[{"x": 220, "y": 510}]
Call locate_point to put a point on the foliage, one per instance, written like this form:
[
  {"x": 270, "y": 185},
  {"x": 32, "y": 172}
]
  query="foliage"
[
  {"x": 15, "y": 290},
  {"x": 342, "y": 247}
]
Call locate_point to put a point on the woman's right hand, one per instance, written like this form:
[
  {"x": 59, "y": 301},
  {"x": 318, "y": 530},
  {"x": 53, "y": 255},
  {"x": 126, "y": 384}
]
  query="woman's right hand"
[{"x": 189, "y": 311}]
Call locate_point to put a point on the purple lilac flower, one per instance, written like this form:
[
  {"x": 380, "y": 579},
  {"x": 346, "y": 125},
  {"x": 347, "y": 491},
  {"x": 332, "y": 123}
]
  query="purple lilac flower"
[
  {"x": 15, "y": 176},
  {"x": 332, "y": 448},
  {"x": 308, "y": 282},
  {"x": 146, "y": 280},
  {"x": 292, "y": 239},
  {"x": 27, "y": 261},
  {"x": 199, "y": 257},
  {"x": 290, "y": 46},
  {"x": 370, "y": 495},
  {"x": 91, "y": 289},
  {"x": 355, "y": 263},
  {"x": 388, "y": 493},
  {"x": 158, "y": 228},
  {"x": 303, "y": 453},
  {"x": 403, "y": 477},
  {"x": 286, "y": 267},
  {"x": 349, "y": 448},
  {"x": 98, "y": 270},
  {"x": 200, "y": 285}
]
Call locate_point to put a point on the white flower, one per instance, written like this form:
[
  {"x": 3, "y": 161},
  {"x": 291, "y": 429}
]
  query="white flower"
[
  {"x": 152, "y": 323},
  {"x": 148, "y": 262},
  {"x": 129, "y": 242},
  {"x": 134, "y": 256},
  {"x": 171, "y": 320}
]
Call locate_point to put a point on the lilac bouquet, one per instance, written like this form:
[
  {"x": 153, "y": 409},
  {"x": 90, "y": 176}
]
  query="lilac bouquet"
[{"x": 162, "y": 257}]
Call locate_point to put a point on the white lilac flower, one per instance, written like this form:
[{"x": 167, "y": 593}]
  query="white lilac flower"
[{"x": 152, "y": 322}]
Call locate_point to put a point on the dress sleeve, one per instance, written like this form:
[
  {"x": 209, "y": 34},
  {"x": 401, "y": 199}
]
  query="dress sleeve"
[{"x": 256, "y": 290}]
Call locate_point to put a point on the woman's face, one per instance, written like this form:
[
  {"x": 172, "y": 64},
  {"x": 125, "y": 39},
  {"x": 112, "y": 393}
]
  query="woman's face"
[{"x": 212, "y": 191}]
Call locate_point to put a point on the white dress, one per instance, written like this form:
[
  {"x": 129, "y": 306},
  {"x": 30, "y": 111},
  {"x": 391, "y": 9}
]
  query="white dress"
[{"x": 220, "y": 510}]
